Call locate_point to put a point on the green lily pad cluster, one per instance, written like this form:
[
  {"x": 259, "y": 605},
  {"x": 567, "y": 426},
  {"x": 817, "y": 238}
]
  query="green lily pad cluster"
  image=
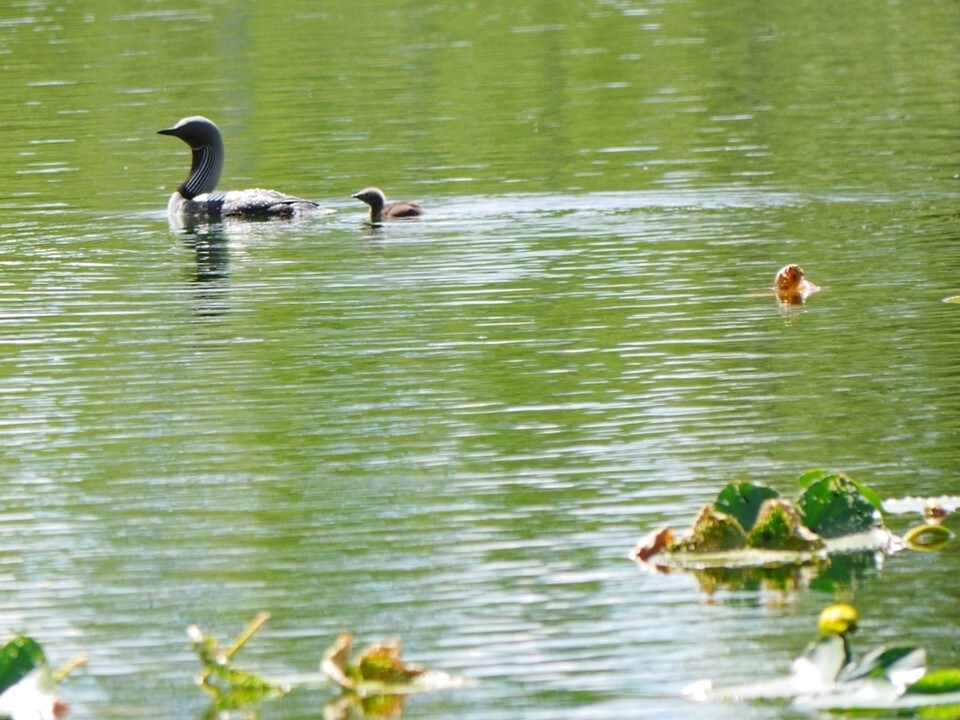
[
  {"x": 830, "y": 506},
  {"x": 750, "y": 516},
  {"x": 750, "y": 537}
]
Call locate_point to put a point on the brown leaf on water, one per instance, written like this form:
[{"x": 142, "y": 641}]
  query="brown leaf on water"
[
  {"x": 335, "y": 659},
  {"x": 380, "y": 662},
  {"x": 379, "y": 670},
  {"x": 713, "y": 531},
  {"x": 652, "y": 543}
]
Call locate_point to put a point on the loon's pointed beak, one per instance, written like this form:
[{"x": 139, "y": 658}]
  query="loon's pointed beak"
[{"x": 167, "y": 131}]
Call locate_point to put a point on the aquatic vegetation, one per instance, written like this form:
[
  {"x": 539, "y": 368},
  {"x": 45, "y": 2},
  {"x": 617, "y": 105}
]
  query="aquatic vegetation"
[
  {"x": 826, "y": 676},
  {"x": 931, "y": 535},
  {"x": 927, "y": 537},
  {"x": 838, "y": 619},
  {"x": 231, "y": 687},
  {"x": 750, "y": 529},
  {"x": 713, "y": 531},
  {"x": 749, "y": 517},
  {"x": 779, "y": 527},
  {"x": 379, "y": 670},
  {"x": 743, "y": 501},
  {"x": 833, "y": 505},
  {"x": 27, "y": 685},
  {"x": 374, "y": 684}
]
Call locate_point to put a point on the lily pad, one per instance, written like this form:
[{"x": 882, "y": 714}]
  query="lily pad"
[
  {"x": 749, "y": 525},
  {"x": 713, "y": 531},
  {"x": 937, "y": 683},
  {"x": 27, "y": 687},
  {"x": 834, "y": 506},
  {"x": 379, "y": 670},
  {"x": 812, "y": 476},
  {"x": 743, "y": 500},
  {"x": 900, "y": 665},
  {"x": 778, "y": 527},
  {"x": 824, "y": 678},
  {"x": 653, "y": 543},
  {"x": 17, "y": 658}
]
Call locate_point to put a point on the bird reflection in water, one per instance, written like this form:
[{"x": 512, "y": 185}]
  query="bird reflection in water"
[{"x": 210, "y": 278}]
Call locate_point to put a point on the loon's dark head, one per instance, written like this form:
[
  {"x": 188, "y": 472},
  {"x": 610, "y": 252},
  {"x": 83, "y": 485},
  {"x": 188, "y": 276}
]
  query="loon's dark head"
[
  {"x": 205, "y": 141},
  {"x": 373, "y": 197}
]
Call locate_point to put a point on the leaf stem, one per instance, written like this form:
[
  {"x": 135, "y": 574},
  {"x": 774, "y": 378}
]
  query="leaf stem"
[{"x": 244, "y": 637}]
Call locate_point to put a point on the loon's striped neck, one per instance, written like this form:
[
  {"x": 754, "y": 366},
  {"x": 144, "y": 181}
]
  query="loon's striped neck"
[
  {"x": 204, "y": 171},
  {"x": 206, "y": 144}
]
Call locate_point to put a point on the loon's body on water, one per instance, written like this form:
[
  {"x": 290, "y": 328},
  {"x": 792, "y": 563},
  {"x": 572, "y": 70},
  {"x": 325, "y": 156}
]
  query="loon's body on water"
[
  {"x": 196, "y": 197},
  {"x": 380, "y": 209}
]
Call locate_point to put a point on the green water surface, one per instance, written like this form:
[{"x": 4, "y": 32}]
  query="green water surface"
[{"x": 453, "y": 430}]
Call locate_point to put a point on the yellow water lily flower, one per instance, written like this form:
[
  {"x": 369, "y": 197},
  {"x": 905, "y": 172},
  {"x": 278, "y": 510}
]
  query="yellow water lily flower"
[{"x": 837, "y": 619}]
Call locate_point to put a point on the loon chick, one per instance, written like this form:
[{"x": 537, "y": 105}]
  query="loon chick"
[
  {"x": 196, "y": 195},
  {"x": 380, "y": 209}
]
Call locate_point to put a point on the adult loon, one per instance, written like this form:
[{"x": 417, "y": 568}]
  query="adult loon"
[
  {"x": 196, "y": 197},
  {"x": 381, "y": 210}
]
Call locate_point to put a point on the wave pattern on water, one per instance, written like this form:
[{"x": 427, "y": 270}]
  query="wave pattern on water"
[{"x": 451, "y": 429}]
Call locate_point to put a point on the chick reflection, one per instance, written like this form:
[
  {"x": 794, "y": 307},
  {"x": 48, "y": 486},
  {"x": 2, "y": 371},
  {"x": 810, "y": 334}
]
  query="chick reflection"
[{"x": 792, "y": 287}]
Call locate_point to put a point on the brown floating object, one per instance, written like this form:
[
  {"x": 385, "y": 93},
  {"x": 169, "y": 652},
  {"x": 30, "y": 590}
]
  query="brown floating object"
[{"x": 792, "y": 286}]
